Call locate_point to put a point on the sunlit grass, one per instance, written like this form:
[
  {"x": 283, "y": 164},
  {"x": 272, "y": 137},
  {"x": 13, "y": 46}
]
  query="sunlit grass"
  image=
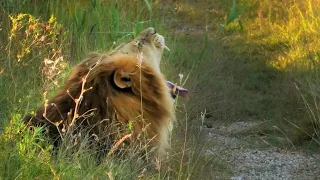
[
  {"x": 295, "y": 27},
  {"x": 299, "y": 33}
]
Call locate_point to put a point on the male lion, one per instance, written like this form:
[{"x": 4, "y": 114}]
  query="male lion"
[{"x": 110, "y": 95}]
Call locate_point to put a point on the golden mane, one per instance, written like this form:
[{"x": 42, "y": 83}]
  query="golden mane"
[{"x": 105, "y": 106}]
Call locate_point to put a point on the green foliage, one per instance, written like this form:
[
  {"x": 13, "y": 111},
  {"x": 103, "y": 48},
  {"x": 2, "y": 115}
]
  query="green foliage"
[
  {"x": 234, "y": 14},
  {"x": 148, "y": 5},
  {"x": 40, "y": 49},
  {"x": 265, "y": 69},
  {"x": 23, "y": 154},
  {"x": 26, "y": 154}
]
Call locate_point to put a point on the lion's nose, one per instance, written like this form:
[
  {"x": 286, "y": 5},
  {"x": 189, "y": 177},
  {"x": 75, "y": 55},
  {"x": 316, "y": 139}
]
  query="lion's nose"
[{"x": 154, "y": 32}]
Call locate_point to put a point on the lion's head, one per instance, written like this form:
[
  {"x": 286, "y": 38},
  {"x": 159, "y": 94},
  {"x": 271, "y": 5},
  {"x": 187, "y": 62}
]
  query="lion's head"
[
  {"x": 108, "y": 93},
  {"x": 149, "y": 43}
]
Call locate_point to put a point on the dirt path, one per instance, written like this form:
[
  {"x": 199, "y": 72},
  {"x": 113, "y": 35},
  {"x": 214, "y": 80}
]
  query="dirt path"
[{"x": 251, "y": 158}]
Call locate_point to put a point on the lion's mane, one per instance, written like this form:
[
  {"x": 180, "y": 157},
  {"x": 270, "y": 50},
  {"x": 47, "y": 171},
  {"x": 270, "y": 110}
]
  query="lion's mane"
[{"x": 108, "y": 93}]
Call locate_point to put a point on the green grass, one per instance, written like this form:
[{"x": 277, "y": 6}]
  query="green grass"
[
  {"x": 252, "y": 72},
  {"x": 64, "y": 36},
  {"x": 27, "y": 155},
  {"x": 242, "y": 60}
]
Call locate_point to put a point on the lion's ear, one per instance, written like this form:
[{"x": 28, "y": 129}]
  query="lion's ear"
[{"x": 122, "y": 79}]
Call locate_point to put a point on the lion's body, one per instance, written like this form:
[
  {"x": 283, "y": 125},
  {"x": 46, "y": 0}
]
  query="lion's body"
[{"x": 98, "y": 97}]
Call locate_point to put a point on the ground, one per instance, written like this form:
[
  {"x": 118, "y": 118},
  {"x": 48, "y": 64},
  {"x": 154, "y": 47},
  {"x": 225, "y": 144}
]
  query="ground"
[{"x": 250, "y": 157}]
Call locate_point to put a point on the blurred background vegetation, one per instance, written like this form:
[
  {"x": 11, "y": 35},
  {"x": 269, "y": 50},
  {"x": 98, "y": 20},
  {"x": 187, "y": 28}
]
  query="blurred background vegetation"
[{"x": 244, "y": 60}]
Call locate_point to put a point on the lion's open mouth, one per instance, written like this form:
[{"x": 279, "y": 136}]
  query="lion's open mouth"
[{"x": 177, "y": 90}]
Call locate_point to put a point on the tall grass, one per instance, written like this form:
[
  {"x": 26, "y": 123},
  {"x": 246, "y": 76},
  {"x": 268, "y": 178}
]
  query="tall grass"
[
  {"x": 42, "y": 41},
  {"x": 252, "y": 69},
  {"x": 279, "y": 41},
  {"x": 60, "y": 34},
  {"x": 264, "y": 66},
  {"x": 294, "y": 30},
  {"x": 27, "y": 155}
]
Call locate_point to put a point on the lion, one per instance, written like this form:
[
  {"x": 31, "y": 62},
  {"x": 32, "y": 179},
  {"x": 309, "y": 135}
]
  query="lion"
[
  {"x": 115, "y": 93},
  {"x": 151, "y": 45}
]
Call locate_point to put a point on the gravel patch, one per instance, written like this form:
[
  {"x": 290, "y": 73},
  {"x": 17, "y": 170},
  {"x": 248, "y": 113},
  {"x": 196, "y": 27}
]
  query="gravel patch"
[
  {"x": 269, "y": 164},
  {"x": 247, "y": 160}
]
